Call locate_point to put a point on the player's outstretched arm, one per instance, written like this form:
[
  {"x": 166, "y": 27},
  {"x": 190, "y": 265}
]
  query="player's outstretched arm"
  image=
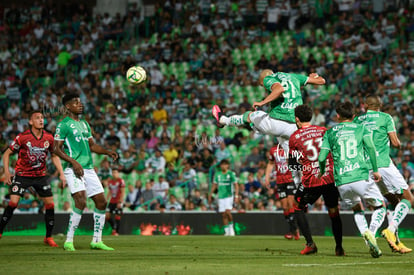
[
  {"x": 101, "y": 150},
  {"x": 58, "y": 164},
  {"x": 213, "y": 188},
  {"x": 6, "y": 165},
  {"x": 277, "y": 90},
  {"x": 121, "y": 198},
  {"x": 314, "y": 78},
  {"x": 58, "y": 150},
  {"x": 236, "y": 192},
  {"x": 394, "y": 140},
  {"x": 370, "y": 149},
  {"x": 323, "y": 154},
  {"x": 269, "y": 169}
]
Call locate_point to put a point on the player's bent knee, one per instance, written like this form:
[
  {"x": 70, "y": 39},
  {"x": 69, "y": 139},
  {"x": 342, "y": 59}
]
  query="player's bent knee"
[
  {"x": 333, "y": 212},
  {"x": 49, "y": 205},
  {"x": 13, "y": 204}
]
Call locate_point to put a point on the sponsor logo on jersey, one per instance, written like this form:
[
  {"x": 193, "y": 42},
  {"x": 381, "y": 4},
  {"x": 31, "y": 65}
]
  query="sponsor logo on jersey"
[
  {"x": 348, "y": 168},
  {"x": 289, "y": 105},
  {"x": 36, "y": 155}
]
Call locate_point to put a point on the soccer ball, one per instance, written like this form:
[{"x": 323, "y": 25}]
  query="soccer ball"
[{"x": 136, "y": 75}]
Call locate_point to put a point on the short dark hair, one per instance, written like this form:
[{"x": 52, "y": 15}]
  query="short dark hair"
[
  {"x": 34, "y": 112},
  {"x": 68, "y": 97},
  {"x": 224, "y": 161},
  {"x": 304, "y": 113},
  {"x": 345, "y": 110}
]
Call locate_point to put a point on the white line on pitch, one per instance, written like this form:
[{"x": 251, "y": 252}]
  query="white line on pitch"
[{"x": 344, "y": 264}]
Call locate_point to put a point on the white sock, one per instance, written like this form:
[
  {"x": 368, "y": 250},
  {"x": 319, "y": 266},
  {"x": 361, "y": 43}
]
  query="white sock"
[
  {"x": 377, "y": 219},
  {"x": 231, "y": 229},
  {"x": 74, "y": 221},
  {"x": 361, "y": 222},
  {"x": 234, "y": 120},
  {"x": 390, "y": 214},
  {"x": 226, "y": 230},
  {"x": 401, "y": 210},
  {"x": 99, "y": 222}
]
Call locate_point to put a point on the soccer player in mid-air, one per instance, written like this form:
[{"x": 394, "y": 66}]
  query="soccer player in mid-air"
[
  {"x": 116, "y": 195},
  {"x": 74, "y": 144},
  {"x": 304, "y": 147},
  {"x": 32, "y": 147},
  {"x": 285, "y": 187},
  {"x": 393, "y": 186},
  {"x": 285, "y": 95},
  {"x": 225, "y": 182},
  {"x": 347, "y": 142}
]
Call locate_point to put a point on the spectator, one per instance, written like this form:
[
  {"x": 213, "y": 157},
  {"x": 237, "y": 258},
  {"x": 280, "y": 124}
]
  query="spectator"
[
  {"x": 161, "y": 189},
  {"x": 156, "y": 163},
  {"x": 317, "y": 118},
  {"x": 133, "y": 198},
  {"x": 172, "y": 204},
  {"x": 253, "y": 161},
  {"x": 148, "y": 196}
]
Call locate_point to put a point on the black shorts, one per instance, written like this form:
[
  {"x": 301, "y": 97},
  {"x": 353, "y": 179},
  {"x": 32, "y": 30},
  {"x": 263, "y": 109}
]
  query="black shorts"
[
  {"x": 285, "y": 189},
  {"x": 40, "y": 184},
  {"x": 113, "y": 209},
  {"x": 305, "y": 196}
]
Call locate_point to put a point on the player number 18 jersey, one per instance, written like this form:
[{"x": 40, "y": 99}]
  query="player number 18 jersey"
[{"x": 345, "y": 141}]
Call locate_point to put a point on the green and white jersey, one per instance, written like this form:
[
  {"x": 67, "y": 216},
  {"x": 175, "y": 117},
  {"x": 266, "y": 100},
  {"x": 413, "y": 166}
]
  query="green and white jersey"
[
  {"x": 75, "y": 135},
  {"x": 380, "y": 124},
  {"x": 345, "y": 141},
  {"x": 283, "y": 108},
  {"x": 225, "y": 183}
]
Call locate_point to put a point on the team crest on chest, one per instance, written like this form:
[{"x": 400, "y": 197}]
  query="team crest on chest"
[{"x": 46, "y": 144}]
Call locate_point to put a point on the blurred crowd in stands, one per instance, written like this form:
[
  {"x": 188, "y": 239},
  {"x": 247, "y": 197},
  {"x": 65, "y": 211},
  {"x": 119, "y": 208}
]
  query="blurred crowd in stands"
[{"x": 196, "y": 54}]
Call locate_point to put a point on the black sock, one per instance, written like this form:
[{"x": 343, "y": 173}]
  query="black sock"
[
  {"x": 292, "y": 223},
  {"x": 303, "y": 226},
  {"x": 49, "y": 221},
  {"x": 8, "y": 213},
  {"x": 337, "y": 230},
  {"x": 117, "y": 224},
  {"x": 111, "y": 223}
]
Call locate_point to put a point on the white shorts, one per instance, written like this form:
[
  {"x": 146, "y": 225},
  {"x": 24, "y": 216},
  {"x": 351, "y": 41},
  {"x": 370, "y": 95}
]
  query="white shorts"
[
  {"x": 392, "y": 180},
  {"x": 280, "y": 129},
  {"x": 89, "y": 182},
  {"x": 351, "y": 193},
  {"x": 225, "y": 204}
]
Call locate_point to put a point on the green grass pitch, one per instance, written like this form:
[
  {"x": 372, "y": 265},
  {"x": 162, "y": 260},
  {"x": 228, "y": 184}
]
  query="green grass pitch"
[{"x": 198, "y": 255}]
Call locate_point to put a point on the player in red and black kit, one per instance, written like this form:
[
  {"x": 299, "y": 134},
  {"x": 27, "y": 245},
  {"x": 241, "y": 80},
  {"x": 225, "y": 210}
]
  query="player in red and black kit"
[
  {"x": 285, "y": 187},
  {"x": 32, "y": 147},
  {"x": 304, "y": 148},
  {"x": 115, "y": 196}
]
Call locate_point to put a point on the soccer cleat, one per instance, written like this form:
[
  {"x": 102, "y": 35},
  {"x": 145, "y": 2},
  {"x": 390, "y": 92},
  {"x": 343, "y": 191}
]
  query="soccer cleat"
[
  {"x": 403, "y": 248},
  {"x": 217, "y": 114},
  {"x": 297, "y": 235},
  {"x": 50, "y": 242},
  {"x": 114, "y": 233},
  {"x": 100, "y": 245},
  {"x": 289, "y": 236},
  {"x": 391, "y": 239},
  {"x": 68, "y": 246},
  {"x": 309, "y": 249},
  {"x": 339, "y": 251},
  {"x": 372, "y": 243}
]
